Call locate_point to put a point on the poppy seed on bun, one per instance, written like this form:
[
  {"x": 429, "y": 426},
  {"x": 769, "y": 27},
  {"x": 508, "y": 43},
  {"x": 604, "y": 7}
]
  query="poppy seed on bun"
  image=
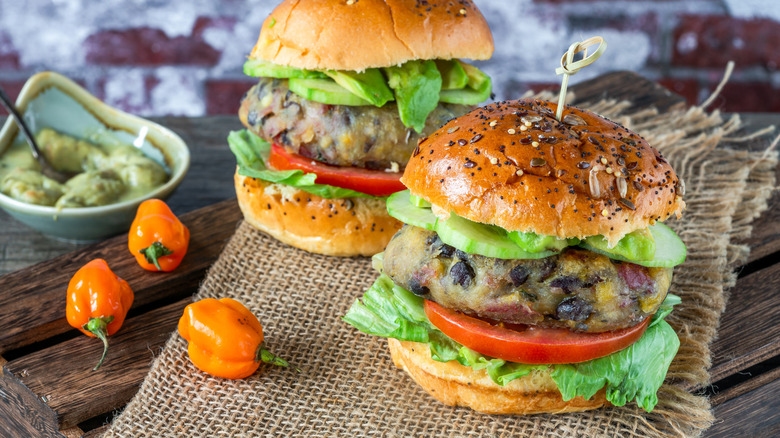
[{"x": 514, "y": 165}]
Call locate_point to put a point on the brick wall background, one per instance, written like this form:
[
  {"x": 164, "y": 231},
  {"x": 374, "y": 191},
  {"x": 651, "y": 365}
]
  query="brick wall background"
[{"x": 177, "y": 57}]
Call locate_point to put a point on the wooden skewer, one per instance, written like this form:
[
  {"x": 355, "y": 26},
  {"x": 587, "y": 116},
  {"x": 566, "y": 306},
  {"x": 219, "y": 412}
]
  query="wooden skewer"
[{"x": 569, "y": 67}]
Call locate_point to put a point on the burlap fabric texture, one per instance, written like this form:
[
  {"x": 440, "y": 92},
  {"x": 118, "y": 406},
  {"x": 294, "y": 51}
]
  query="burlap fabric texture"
[{"x": 349, "y": 386}]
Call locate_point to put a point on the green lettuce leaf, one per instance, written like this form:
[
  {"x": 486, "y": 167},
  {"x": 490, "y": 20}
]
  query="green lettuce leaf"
[
  {"x": 416, "y": 85},
  {"x": 252, "y": 153},
  {"x": 636, "y": 372}
]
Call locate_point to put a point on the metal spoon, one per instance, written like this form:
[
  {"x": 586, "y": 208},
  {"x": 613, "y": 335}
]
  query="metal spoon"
[{"x": 46, "y": 168}]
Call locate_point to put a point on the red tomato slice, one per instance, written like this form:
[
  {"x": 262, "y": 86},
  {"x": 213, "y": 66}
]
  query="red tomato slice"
[
  {"x": 372, "y": 182},
  {"x": 530, "y": 345}
]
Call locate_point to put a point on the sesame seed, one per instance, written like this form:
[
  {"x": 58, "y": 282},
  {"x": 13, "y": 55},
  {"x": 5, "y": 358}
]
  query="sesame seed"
[
  {"x": 493, "y": 160},
  {"x": 603, "y": 161},
  {"x": 524, "y": 128},
  {"x": 510, "y": 131},
  {"x": 527, "y": 124},
  {"x": 453, "y": 129},
  {"x": 609, "y": 170},
  {"x": 350, "y": 2},
  {"x": 535, "y": 143},
  {"x": 519, "y": 173},
  {"x": 604, "y": 212},
  {"x": 493, "y": 123}
]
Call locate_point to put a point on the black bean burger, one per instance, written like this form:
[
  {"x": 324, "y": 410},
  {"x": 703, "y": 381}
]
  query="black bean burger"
[
  {"x": 346, "y": 89},
  {"x": 533, "y": 270}
]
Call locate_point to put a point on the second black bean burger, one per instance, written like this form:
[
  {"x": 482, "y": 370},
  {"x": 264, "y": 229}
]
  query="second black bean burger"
[{"x": 345, "y": 91}]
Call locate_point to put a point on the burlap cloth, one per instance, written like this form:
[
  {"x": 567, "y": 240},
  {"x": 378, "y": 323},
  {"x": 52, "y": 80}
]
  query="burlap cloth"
[{"x": 349, "y": 386}]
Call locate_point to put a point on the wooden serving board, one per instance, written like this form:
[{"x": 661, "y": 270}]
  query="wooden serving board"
[{"x": 48, "y": 388}]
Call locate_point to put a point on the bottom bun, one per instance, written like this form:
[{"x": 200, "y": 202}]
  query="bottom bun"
[
  {"x": 338, "y": 227},
  {"x": 456, "y": 385}
]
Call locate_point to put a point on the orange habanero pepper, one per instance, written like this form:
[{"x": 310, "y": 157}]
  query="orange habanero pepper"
[
  {"x": 225, "y": 338},
  {"x": 97, "y": 302},
  {"x": 157, "y": 239}
]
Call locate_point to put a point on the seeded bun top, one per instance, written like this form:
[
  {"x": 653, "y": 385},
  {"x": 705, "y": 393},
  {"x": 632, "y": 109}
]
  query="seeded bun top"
[
  {"x": 513, "y": 164},
  {"x": 361, "y": 34}
]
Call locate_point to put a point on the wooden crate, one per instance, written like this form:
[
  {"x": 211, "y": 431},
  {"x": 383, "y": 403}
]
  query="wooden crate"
[{"x": 48, "y": 387}]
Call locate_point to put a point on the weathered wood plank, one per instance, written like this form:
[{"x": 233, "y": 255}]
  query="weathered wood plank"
[
  {"x": 23, "y": 413},
  {"x": 755, "y": 414},
  {"x": 32, "y": 303},
  {"x": 94, "y": 433},
  {"x": 764, "y": 241},
  {"x": 63, "y": 373},
  {"x": 740, "y": 389},
  {"x": 749, "y": 332},
  {"x": 765, "y": 238},
  {"x": 627, "y": 85}
]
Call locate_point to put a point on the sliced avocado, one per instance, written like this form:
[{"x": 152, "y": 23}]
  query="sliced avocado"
[
  {"x": 265, "y": 69},
  {"x": 464, "y": 96},
  {"x": 533, "y": 242},
  {"x": 416, "y": 85},
  {"x": 482, "y": 239},
  {"x": 418, "y": 201},
  {"x": 400, "y": 206},
  {"x": 636, "y": 245},
  {"x": 369, "y": 85},
  {"x": 477, "y": 79},
  {"x": 453, "y": 76},
  {"x": 461, "y": 233},
  {"x": 669, "y": 249},
  {"x": 478, "y": 89},
  {"x": 324, "y": 91}
]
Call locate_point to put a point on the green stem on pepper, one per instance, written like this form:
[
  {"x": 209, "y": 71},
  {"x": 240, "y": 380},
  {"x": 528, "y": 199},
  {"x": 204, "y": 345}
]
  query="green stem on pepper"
[{"x": 97, "y": 326}]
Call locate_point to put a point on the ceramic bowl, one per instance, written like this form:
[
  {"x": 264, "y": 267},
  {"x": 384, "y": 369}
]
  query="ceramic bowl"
[{"x": 50, "y": 100}]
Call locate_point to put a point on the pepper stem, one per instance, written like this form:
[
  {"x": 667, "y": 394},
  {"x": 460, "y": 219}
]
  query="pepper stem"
[
  {"x": 263, "y": 355},
  {"x": 97, "y": 326},
  {"x": 155, "y": 251}
]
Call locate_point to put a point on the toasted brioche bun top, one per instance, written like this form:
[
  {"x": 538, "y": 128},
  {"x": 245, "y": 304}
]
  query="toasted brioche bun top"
[
  {"x": 361, "y": 34},
  {"x": 577, "y": 178}
]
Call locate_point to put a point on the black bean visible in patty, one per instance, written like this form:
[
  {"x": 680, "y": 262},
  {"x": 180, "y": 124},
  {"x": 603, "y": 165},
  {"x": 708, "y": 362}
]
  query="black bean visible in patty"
[
  {"x": 576, "y": 289},
  {"x": 361, "y": 136}
]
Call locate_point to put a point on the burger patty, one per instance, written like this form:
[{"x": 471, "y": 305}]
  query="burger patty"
[
  {"x": 575, "y": 289},
  {"x": 361, "y": 136}
]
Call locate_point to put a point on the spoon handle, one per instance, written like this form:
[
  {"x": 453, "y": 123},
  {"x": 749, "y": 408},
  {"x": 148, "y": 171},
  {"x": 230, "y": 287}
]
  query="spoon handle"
[{"x": 20, "y": 122}]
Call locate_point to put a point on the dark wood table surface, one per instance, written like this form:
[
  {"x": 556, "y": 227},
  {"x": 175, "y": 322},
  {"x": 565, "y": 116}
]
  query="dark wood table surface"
[{"x": 745, "y": 389}]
